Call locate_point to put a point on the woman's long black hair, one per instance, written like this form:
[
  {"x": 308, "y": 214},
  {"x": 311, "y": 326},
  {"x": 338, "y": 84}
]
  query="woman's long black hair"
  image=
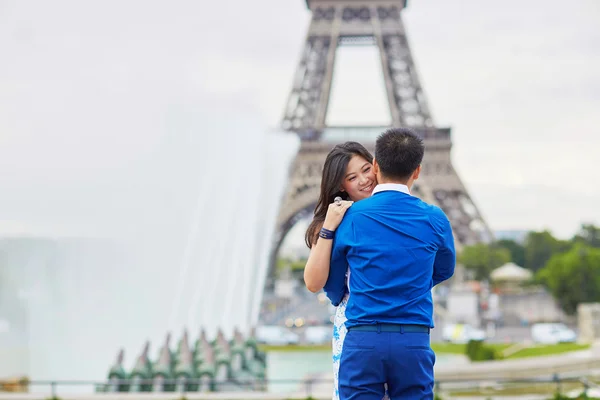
[{"x": 334, "y": 171}]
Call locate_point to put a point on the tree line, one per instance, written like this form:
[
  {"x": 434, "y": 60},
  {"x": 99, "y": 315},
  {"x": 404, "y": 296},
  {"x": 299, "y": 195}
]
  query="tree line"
[{"x": 570, "y": 269}]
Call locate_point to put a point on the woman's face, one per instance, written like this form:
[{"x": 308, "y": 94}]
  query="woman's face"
[{"x": 359, "y": 180}]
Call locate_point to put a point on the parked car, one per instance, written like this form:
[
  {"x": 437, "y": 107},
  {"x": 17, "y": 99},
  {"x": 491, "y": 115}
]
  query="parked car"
[
  {"x": 277, "y": 335},
  {"x": 552, "y": 333},
  {"x": 462, "y": 333}
]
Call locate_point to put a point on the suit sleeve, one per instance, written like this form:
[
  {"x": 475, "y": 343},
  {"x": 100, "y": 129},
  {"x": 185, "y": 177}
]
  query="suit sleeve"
[
  {"x": 335, "y": 287},
  {"x": 445, "y": 258}
]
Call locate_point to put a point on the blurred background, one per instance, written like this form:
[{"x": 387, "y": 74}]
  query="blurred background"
[{"x": 146, "y": 185}]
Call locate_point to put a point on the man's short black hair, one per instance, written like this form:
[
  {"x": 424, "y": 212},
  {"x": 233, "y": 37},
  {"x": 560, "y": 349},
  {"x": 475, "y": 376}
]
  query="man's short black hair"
[{"x": 399, "y": 152}]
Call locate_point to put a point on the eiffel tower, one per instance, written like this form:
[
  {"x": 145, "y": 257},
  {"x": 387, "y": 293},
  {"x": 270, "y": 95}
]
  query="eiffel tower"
[{"x": 376, "y": 23}]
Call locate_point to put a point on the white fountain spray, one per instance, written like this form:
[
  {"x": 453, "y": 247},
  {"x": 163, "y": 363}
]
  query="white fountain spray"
[
  {"x": 188, "y": 252},
  {"x": 129, "y": 147}
]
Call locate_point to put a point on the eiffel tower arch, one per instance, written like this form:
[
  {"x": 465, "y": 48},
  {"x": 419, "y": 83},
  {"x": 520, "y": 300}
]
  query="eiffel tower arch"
[{"x": 376, "y": 23}]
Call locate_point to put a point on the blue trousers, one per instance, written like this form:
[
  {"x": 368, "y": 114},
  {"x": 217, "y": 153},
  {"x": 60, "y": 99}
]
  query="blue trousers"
[{"x": 369, "y": 359}]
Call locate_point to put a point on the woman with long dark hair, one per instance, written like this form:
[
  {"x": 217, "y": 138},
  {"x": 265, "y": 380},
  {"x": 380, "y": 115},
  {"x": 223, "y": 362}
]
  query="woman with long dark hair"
[{"x": 347, "y": 174}]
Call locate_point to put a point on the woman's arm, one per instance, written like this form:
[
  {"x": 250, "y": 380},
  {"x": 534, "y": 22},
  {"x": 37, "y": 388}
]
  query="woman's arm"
[{"x": 316, "y": 270}]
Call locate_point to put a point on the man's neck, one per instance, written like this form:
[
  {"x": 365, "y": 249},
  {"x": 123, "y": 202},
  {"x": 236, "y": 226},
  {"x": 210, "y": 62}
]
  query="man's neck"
[{"x": 395, "y": 182}]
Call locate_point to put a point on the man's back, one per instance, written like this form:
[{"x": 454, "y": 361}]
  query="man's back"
[{"x": 396, "y": 248}]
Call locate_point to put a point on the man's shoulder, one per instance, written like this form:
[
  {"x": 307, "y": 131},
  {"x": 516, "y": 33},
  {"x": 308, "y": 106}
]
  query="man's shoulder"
[
  {"x": 438, "y": 218},
  {"x": 399, "y": 198},
  {"x": 363, "y": 207},
  {"x": 364, "y": 204},
  {"x": 434, "y": 211},
  {"x": 373, "y": 203}
]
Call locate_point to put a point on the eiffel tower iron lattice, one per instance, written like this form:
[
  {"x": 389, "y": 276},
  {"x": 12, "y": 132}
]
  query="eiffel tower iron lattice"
[{"x": 377, "y": 23}]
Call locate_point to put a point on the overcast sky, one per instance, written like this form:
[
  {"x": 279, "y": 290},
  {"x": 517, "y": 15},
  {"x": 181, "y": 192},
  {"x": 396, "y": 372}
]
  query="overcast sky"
[{"x": 93, "y": 92}]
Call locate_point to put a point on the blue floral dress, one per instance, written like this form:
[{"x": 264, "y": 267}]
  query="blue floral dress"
[{"x": 339, "y": 333}]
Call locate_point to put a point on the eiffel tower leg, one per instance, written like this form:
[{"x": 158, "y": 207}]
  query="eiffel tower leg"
[
  {"x": 307, "y": 104},
  {"x": 406, "y": 97},
  {"x": 326, "y": 86},
  {"x": 389, "y": 87},
  {"x": 302, "y": 192},
  {"x": 468, "y": 225},
  {"x": 440, "y": 184}
]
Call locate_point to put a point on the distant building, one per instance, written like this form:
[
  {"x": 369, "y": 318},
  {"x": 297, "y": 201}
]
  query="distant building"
[
  {"x": 511, "y": 275},
  {"x": 588, "y": 318},
  {"x": 462, "y": 305}
]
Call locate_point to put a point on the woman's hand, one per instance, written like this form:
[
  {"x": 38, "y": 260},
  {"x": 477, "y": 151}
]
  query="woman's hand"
[{"x": 335, "y": 214}]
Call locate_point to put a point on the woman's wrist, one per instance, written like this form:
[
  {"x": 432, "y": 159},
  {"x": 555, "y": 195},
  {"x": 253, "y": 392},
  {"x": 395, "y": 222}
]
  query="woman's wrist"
[{"x": 329, "y": 227}]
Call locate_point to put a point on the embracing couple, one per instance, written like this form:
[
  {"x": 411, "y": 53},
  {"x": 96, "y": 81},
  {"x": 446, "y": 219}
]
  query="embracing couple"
[{"x": 377, "y": 251}]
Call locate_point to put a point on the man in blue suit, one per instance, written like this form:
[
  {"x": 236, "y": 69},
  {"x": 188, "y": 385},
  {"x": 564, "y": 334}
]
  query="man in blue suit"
[{"x": 389, "y": 252}]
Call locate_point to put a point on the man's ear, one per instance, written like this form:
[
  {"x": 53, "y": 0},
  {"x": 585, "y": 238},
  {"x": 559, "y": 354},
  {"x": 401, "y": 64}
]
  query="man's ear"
[
  {"x": 375, "y": 167},
  {"x": 415, "y": 174}
]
